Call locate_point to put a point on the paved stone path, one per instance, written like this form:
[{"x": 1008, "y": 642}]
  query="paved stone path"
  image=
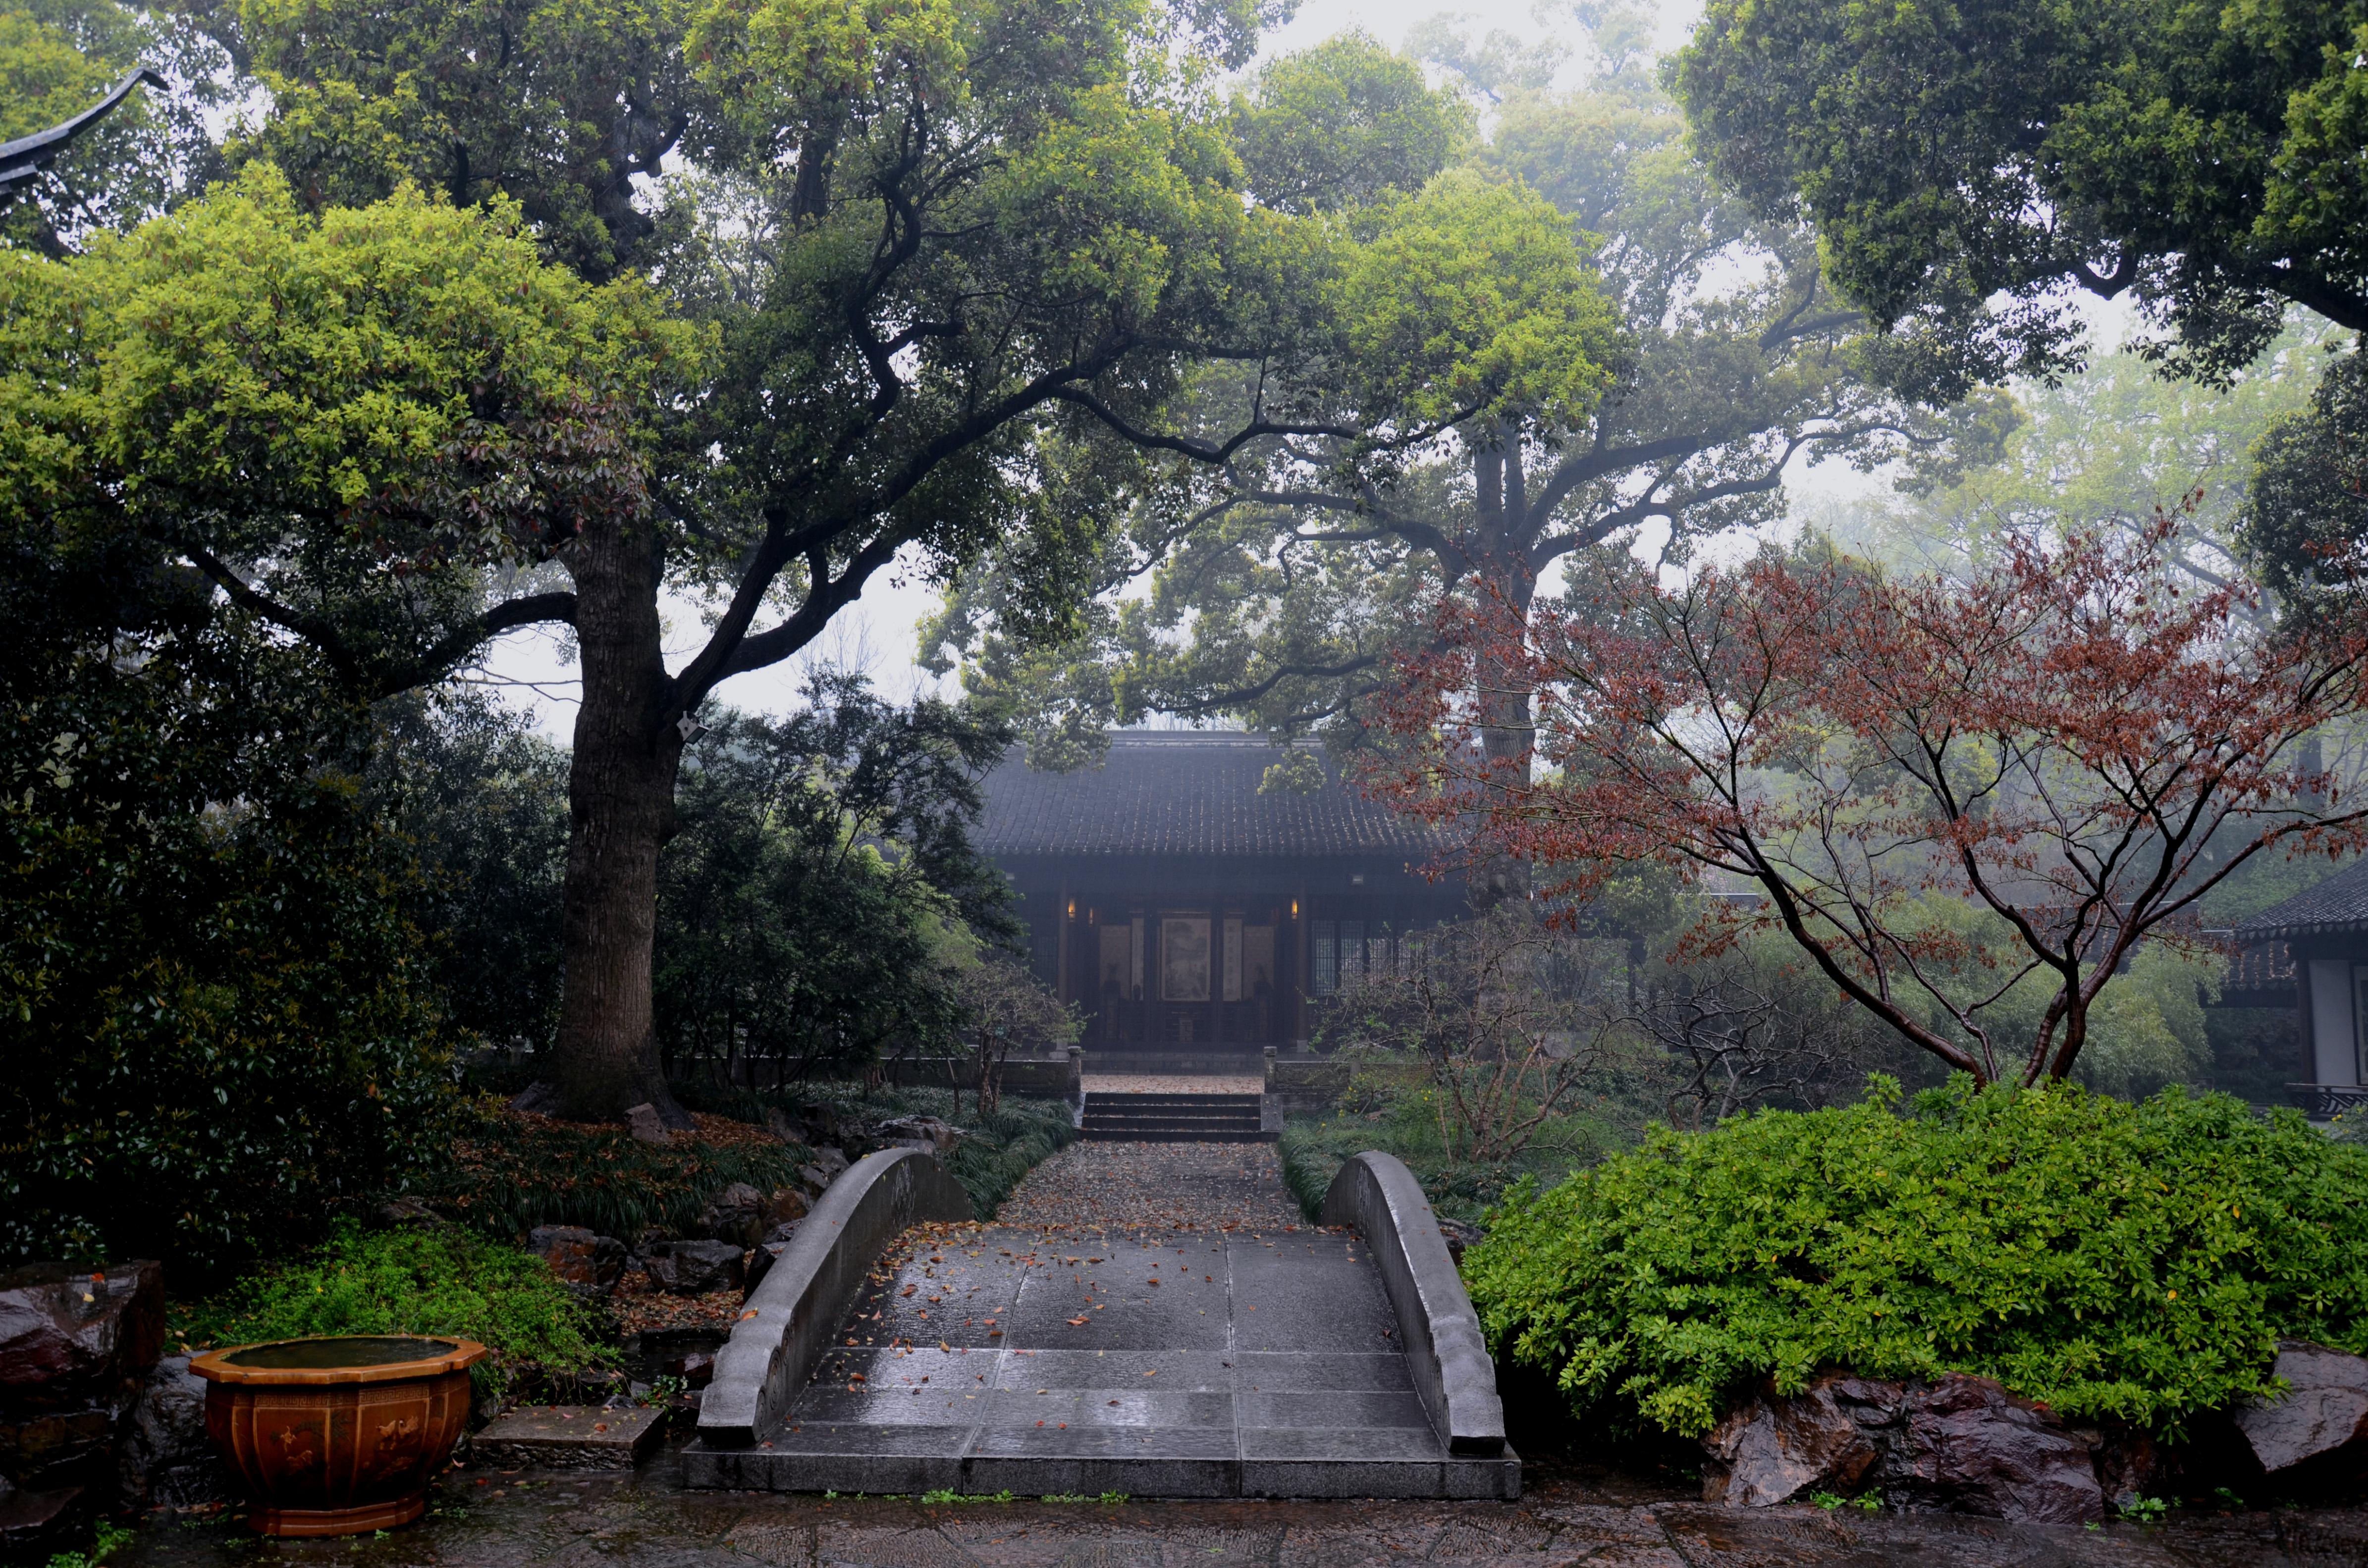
[
  {"x": 1175, "y": 1082},
  {"x": 1208, "y": 1186},
  {"x": 558, "y": 1521}
]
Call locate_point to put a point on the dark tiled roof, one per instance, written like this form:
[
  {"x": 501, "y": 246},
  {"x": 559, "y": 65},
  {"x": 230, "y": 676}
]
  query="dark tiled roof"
[
  {"x": 1186, "y": 793},
  {"x": 2338, "y": 904}
]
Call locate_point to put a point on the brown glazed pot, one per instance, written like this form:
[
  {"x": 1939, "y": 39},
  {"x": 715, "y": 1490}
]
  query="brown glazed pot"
[{"x": 335, "y": 1437}]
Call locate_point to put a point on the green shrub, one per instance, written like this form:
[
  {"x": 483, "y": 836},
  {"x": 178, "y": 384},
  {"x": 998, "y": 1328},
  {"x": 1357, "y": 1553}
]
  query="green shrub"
[
  {"x": 438, "y": 1280},
  {"x": 509, "y": 1173},
  {"x": 2108, "y": 1260}
]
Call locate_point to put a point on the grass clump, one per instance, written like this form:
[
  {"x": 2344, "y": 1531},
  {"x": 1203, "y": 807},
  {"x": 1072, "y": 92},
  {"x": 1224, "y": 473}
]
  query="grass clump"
[
  {"x": 510, "y": 1172},
  {"x": 416, "y": 1279},
  {"x": 2137, "y": 1262},
  {"x": 1396, "y": 1117}
]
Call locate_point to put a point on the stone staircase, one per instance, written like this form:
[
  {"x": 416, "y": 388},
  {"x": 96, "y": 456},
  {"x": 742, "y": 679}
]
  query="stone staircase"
[{"x": 1177, "y": 1119}]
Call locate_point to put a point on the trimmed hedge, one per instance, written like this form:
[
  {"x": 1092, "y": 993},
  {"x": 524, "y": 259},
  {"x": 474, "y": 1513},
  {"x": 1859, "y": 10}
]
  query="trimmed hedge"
[{"x": 2131, "y": 1261}]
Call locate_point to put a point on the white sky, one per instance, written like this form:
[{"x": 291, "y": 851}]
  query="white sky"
[{"x": 876, "y": 633}]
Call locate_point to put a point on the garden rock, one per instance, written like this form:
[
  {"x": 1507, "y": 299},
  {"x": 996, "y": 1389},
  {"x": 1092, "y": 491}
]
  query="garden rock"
[
  {"x": 695, "y": 1269},
  {"x": 408, "y": 1211},
  {"x": 2324, "y": 1408},
  {"x": 166, "y": 1459},
  {"x": 736, "y": 1215},
  {"x": 647, "y": 1126},
  {"x": 762, "y": 1261},
  {"x": 1960, "y": 1445},
  {"x": 1968, "y": 1446},
  {"x": 926, "y": 1132},
  {"x": 74, "y": 1349},
  {"x": 1780, "y": 1448},
  {"x": 69, "y": 1338},
  {"x": 589, "y": 1264},
  {"x": 1459, "y": 1235},
  {"x": 787, "y": 1206}
]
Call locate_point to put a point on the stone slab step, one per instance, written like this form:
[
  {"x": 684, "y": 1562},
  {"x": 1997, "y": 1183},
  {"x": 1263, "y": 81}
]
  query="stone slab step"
[
  {"x": 1187, "y": 1463},
  {"x": 1208, "y": 1135},
  {"x": 569, "y": 1437},
  {"x": 1173, "y": 1102},
  {"x": 1179, "y": 1123}
]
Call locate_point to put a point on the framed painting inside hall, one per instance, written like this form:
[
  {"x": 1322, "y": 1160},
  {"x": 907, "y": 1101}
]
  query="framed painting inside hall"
[{"x": 1184, "y": 959}]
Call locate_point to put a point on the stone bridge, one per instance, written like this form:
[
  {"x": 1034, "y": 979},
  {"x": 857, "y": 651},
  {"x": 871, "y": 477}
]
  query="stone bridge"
[{"x": 897, "y": 1348}]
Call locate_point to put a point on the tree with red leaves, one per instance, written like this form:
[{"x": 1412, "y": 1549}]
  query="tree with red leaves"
[{"x": 1957, "y": 796}]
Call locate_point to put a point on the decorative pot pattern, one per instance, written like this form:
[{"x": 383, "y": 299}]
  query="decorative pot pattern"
[{"x": 337, "y": 1436}]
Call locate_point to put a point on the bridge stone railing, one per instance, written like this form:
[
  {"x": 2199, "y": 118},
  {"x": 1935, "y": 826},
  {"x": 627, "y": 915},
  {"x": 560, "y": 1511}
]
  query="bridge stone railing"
[
  {"x": 1452, "y": 1373},
  {"x": 790, "y": 1318}
]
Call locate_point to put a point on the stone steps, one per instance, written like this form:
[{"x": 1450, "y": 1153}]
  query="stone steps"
[{"x": 1175, "y": 1119}]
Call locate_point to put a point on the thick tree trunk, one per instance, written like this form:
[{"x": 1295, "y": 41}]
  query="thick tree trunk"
[
  {"x": 1503, "y": 700},
  {"x": 620, "y": 799}
]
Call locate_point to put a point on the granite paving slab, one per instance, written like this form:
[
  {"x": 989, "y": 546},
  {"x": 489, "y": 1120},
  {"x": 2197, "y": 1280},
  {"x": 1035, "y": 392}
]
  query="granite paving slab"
[
  {"x": 572, "y": 1437},
  {"x": 1151, "y": 1361}
]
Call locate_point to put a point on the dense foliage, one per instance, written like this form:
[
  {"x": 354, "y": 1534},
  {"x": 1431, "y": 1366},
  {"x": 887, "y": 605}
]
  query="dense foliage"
[
  {"x": 480, "y": 800},
  {"x": 2136, "y": 1262},
  {"x": 413, "y": 1280},
  {"x": 220, "y": 1025}
]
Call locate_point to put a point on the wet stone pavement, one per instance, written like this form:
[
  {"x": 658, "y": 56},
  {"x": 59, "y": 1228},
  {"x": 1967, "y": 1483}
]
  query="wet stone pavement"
[
  {"x": 1072, "y": 1359},
  {"x": 526, "y": 1521},
  {"x": 1203, "y": 1187}
]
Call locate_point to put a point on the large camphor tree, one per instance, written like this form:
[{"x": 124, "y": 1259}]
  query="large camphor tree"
[
  {"x": 1282, "y": 597},
  {"x": 534, "y": 315}
]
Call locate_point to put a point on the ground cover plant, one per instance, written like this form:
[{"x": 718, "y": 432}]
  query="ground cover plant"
[
  {"x": 411, "y": 1279},
  {"x": 510, "y": 1171},
  {"x": 2136, "y": 1262}
]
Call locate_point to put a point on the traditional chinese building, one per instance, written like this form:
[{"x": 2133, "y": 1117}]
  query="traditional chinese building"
[
  {"x": 2311, "y": 953},
  {"x": 1182, "y": 909}
]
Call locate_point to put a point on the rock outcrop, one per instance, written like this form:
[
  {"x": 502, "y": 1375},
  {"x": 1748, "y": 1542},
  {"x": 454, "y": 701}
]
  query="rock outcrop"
[
  {"x": 76, "y": 1348},
  {"x": 1960, "y": 1445},
  {"x": 695, "y": 1269},
  {"x": 165, "y": 1460},
  {"x": 589, "y": 1264},
  {"x": 2320, "y": 1423},
  {"x": 925, "y": 1132}
]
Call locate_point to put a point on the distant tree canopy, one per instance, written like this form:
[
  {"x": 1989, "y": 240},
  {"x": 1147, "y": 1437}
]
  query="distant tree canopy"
[
  {"x": 822, "y": 901},
  {"x": 1279, "y": 594},
  {"x": 2208, "y": 157}
]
